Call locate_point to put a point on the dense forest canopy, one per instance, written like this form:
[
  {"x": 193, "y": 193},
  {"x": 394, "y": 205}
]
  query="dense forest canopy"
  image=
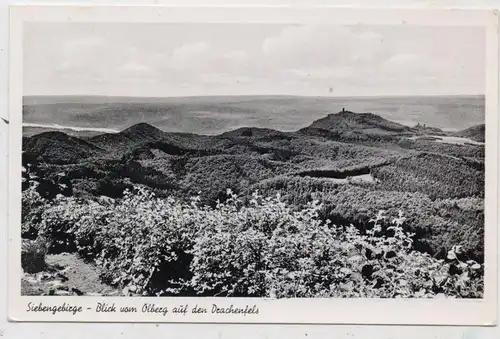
[{"x": 440, "y": 186}]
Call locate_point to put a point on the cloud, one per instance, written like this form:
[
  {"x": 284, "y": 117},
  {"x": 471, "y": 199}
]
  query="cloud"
[
  {"x": 325, "y": 45},
  {"x": 418, "y": 67},
  {"x": 193, "y": 55},
  {"x": 235, "y": 60},
  {"x": 236, "y": 55},
  {"x": 93, "y": 59},
  {"x": 133, "y": 69},
  {"x": 297, "y": 59},
  {"x": 81, "y": 51},
  {"x": 189, "y": 50},
  {"x": 346, "y": 57}
]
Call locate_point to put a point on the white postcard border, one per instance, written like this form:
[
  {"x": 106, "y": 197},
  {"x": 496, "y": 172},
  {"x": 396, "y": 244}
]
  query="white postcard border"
[{"x": 311, "y": 311}]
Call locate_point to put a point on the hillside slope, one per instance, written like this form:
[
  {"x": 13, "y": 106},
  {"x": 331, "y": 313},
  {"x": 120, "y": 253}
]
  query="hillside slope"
[
  {"x": 350, "y": 127},
  {"x": 475, "y": 133},
  {"x": 59, "y": 148}
]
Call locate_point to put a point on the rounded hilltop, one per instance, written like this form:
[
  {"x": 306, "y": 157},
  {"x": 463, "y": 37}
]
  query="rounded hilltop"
[
  {"x": 142, "y": 130},
  {"x": 346, "y": 119}
]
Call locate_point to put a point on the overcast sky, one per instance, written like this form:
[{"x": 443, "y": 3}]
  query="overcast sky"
[{"x": 231, "y": 59}]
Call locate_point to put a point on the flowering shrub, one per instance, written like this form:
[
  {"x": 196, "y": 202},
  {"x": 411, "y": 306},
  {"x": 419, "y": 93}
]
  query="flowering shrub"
[
  {"x": 59, "y": 221},
  {"x": 142, "y": 240},
  {"x": 136, "y": 241},
  {"x": 37, "y": 198},
  {"x": 265, "y": 248},
  {"x": 32, "y": 207}
]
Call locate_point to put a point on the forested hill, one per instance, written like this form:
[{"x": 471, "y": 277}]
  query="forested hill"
[
  {"x": 355, "y": 163},
  {"x": 366, "y": 131},
  {"x": 475, "y": 133},
  {"x": 347, "y": 120}
]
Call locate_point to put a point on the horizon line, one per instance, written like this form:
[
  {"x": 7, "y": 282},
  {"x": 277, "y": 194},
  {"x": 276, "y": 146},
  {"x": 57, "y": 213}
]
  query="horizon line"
[{"x": 254, "y": 95}]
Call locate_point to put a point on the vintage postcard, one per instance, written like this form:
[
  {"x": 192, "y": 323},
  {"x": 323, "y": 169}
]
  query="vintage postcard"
[{"x": 253, "y": 165}]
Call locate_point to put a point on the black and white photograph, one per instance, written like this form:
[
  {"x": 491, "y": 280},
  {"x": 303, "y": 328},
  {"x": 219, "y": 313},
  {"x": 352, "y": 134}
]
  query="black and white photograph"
[{"x": 268, "y": 160}]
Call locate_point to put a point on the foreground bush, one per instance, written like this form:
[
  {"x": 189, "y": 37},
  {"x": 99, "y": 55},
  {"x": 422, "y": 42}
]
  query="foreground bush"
[
  {"x": 153, "y": 246},
  {"x": 267, "y": 250},
  {"x": 33, "y": 255},
  {"x": 32, "y": 208},
  {"x": 438, "y": 225}
]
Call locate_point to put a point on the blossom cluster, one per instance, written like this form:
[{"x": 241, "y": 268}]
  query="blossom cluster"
[{"x": 148, "y": 245}]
